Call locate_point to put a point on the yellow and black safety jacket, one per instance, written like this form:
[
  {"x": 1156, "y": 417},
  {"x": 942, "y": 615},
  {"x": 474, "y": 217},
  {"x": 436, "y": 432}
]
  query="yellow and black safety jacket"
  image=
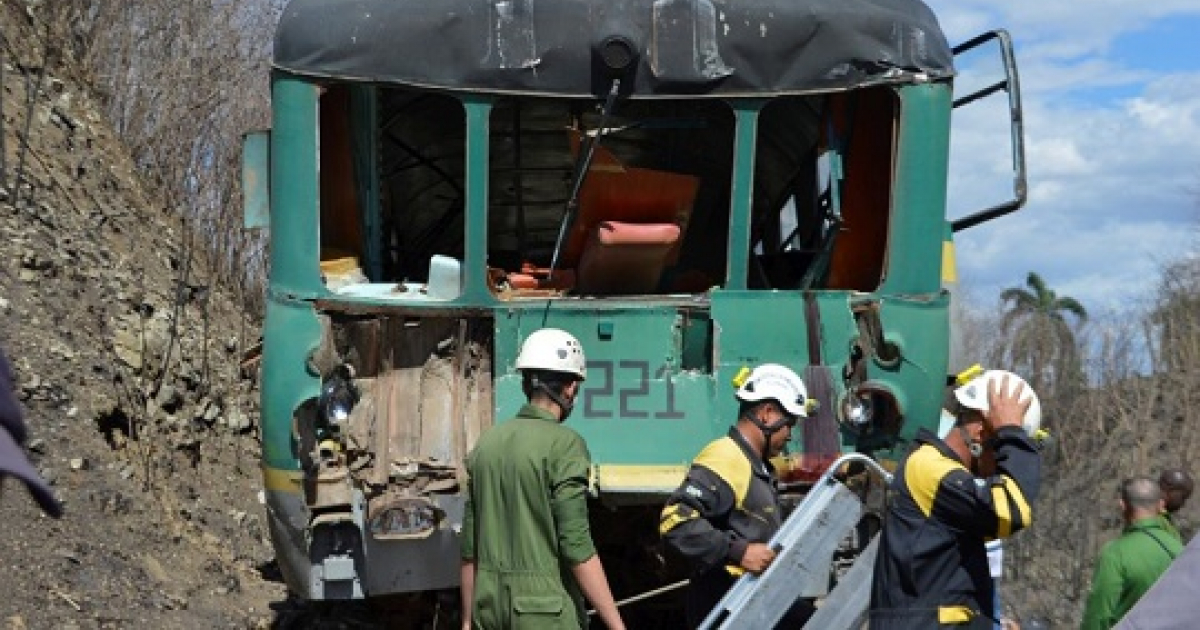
[
  {"x": 932, "y": 568},
  {"x": 727, "y": 501}
]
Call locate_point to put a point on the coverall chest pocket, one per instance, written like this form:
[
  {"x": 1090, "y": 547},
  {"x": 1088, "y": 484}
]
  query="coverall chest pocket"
[{"x": 541, "y": 612}]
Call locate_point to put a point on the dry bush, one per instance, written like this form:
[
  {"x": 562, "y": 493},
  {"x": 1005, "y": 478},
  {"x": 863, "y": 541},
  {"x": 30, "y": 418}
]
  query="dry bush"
[
  {"x": 181, "y": 83},
  {"x": 1136, "y": 415}
]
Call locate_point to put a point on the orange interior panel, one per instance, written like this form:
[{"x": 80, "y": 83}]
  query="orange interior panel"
[
  {"x": 858, "y": 257},
  {"x": 341, "y": 229}
]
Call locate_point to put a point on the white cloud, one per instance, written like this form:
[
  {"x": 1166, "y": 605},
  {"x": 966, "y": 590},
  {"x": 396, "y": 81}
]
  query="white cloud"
[
  {"x": 1113, "y": 152},
  {"x": 1059, "y": 156},
  {"x": 1062, "y": 28}
]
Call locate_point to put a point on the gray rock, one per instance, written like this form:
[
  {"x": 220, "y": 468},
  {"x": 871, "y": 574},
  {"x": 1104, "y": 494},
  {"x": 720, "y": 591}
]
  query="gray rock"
[
  {"x": 168, "y": 398},
  {"x": 128, "y": 346},
  {"x": 238, "y": 421}
]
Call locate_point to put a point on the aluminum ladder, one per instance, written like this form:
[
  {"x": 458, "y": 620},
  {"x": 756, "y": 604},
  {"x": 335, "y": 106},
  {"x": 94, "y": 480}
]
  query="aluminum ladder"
[{"x": 804, "y": 548}]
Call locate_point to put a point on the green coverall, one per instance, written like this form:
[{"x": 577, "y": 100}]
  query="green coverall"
[
  {"x": 1127, "y": 568},
  {"x": 526, "y": 524}
]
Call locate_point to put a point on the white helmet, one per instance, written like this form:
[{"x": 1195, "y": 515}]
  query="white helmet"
[
  {"x": 771, "y": 381},
  {"x": 974, "y": 395},
  {"x": 552, "y": 350}
]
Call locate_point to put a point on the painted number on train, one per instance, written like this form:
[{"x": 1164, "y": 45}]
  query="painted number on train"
[{"x": 624, "y": 389}]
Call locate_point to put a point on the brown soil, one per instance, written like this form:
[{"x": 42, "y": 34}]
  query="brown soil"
[{"x": 128, "y": 362}]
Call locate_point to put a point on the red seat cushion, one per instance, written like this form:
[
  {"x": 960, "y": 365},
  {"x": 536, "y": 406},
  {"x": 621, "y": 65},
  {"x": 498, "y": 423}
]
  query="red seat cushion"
[{"x": 625, "y": 257}]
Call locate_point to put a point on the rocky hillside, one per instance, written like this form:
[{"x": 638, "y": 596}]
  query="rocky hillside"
[
  {"x": 138, "y": 376},
  {"x": 129, "y": 364}
]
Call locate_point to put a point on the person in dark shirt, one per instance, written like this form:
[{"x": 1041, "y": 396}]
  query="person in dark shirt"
[
  {"x": 13, "y": 461},
  {"x": 722, "y": 516},
  {"x": 1176, "y": 485},
  {"x": 948, "y": 497}
]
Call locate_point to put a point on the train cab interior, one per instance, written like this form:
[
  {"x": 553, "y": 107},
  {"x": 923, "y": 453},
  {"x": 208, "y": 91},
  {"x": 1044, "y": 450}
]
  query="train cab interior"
[{"x": 649, "y": 216}]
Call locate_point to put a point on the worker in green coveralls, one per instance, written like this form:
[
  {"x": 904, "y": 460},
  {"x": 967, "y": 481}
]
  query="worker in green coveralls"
[{"x": 527, "y": 550}]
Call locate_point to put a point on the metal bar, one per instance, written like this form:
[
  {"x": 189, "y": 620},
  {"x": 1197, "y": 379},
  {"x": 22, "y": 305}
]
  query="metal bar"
[
  {"x": 585, "y": 163},
  {"x": 741, "y": 194},
  {"x": 980, "y": 94},
  {"x": 648, "y": 594},
  {"x": 479, "y": 111},
  {"x": 1016, "y": 130}
]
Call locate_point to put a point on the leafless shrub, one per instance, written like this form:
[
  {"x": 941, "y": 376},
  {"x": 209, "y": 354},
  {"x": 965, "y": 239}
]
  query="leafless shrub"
[
  {"x": 181, "y": 83},
  {"x": 1135, "y": 413}
]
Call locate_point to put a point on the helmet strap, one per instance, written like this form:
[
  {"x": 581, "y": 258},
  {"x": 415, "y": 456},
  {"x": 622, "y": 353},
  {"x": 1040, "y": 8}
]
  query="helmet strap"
[
  {"x": 767, "y": 431},
  {"x": 555, "y": 396},
  {"x": 974, "y": 446}
]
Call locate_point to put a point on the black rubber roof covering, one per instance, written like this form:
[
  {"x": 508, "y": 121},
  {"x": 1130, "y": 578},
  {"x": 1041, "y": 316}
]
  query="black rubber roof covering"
[{"x": 699, "y": 47}]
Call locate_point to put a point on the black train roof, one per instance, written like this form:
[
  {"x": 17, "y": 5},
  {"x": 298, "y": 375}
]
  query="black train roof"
[{"x": 682, "y": 47}]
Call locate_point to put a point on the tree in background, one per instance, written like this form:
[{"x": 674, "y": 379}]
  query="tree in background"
[
  {"x": 1175, "y": 319},
  {"x": 1043, "y": 343},
  {"x": 1129, "y": 421}
]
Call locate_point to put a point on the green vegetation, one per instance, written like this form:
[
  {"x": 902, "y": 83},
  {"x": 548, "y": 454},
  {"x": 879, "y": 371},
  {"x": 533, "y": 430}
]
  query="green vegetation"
[
  {"x": 1120, "y": 393},
  {"x": 1042, "y": 343}
]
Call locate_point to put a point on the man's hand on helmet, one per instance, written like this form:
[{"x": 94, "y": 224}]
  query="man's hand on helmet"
[{"x": 1005, "y": 407}]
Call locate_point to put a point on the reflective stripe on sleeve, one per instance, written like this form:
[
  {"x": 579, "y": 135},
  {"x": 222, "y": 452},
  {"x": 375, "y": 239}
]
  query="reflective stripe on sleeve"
[
  {"x": 674, "y": 515},
  {"x": 1005, "y": 496},
  {"x": 955, "y": 615}
]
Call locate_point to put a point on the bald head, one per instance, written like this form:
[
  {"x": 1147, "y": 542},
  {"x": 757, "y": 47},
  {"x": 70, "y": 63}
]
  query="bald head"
[
  {"x": 1176, "y": 485},
  {"x": 1141, "y": 496}
]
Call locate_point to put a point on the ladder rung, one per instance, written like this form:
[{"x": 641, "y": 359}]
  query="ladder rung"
[{"x": 804, "y": 550}]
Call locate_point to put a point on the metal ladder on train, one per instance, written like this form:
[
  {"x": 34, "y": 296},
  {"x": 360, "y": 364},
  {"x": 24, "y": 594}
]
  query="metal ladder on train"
[{"x": 804, "y": 548}]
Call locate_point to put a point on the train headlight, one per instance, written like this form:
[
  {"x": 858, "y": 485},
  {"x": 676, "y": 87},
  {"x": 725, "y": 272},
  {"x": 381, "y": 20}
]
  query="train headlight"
[
  {"x": 857, "y": 410},
  {"x": 871, "y": 407},
  {"x": 338, "y": 395},
  {"x": 617, "y": 53}
]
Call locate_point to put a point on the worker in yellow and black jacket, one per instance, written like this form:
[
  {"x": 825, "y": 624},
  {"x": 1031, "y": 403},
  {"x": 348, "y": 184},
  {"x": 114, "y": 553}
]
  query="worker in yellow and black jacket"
[
  {"x": 727, "y": 508},
  {"x": 973, "y": 483}
]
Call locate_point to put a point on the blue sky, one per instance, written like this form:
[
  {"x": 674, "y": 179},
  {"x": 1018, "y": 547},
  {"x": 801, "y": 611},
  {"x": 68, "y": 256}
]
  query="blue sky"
[{"x": 1111, "y": 92}]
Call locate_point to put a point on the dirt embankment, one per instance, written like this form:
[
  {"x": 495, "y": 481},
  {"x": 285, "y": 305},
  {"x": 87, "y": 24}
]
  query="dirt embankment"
[{"x": 129, "y": 368}]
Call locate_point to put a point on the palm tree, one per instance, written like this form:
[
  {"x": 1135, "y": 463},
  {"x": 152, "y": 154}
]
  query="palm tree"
[{"x": 1043, "y": 342}]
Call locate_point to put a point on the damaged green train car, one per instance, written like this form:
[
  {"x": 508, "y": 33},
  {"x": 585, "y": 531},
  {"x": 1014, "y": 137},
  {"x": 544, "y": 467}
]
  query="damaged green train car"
[{"x": 689, "y": 187}]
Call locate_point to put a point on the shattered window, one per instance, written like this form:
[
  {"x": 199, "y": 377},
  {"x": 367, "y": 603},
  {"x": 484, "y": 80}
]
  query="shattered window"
[
  {"x": 648, "y": 216},
  {"x": 822, "y": 191}
]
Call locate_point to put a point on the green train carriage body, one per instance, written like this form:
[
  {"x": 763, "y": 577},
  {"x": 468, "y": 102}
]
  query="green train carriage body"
[{"x": 688, "y": 187}]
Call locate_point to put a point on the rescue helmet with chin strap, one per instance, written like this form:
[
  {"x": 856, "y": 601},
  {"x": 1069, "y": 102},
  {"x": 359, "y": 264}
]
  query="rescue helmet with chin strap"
[
  {"x": 553, "y": 350},
  {"x": 974, "y": 395},
  {"x": 771, "y": 381}
]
